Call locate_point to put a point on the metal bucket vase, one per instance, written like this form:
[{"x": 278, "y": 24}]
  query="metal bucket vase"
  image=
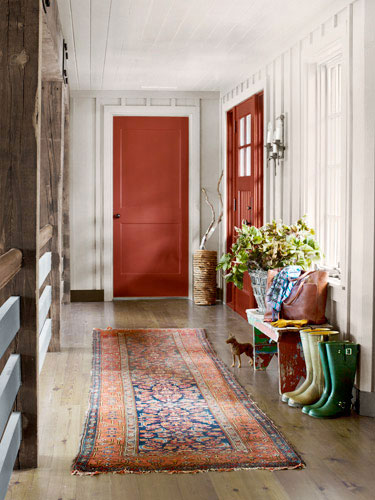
[{"x": 259, "y": 285}]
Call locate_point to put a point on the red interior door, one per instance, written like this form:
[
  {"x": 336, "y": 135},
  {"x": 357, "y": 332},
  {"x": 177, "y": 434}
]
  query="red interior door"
[
  {"x": 150, "y": 206},
  {"x": 245, "y": 183}
]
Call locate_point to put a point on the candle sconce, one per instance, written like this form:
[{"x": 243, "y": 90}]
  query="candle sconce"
[{"x": 275, "y": 145}]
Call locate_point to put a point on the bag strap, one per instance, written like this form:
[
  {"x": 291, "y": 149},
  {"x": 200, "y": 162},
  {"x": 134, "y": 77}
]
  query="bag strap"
[{"x": 305, "y": 275}]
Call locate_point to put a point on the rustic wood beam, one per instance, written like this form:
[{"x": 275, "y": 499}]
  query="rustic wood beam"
[
  {"x": 52, "y": 45},
  {"x": 52, "y": 157},
  {"x": 45, "y": 235},
  {"x": 65, "y": 202},
  {"x": 10, "y": 264},
  {"x": 19, "y": 191}
]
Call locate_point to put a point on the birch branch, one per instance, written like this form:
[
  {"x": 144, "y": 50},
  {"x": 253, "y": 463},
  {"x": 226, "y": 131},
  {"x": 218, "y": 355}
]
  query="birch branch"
[
  {"x": 204, "y": 239},
  {"x": 219, "y": 219},
  {"x": 214, "y": 223}
]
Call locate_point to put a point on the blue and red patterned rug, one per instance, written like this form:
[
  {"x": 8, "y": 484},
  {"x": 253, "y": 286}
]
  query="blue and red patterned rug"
[{"x": 161, "y": 400}]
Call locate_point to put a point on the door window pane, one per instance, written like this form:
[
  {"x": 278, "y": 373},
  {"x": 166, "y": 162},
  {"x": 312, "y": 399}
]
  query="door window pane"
[
  {"x": 241, "y": 172},
  {"x": 248, "y": 129},
  {"x": 242, "y": 131},
  {"x": 244, "y": 162},
  {"x": 248, "y": 161}
]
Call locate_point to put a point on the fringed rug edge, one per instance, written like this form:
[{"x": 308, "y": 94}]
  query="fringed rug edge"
[{"x": 76, "y": 472}]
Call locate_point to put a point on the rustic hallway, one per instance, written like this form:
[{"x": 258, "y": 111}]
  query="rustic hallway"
[{"x": 338, "y": 453}]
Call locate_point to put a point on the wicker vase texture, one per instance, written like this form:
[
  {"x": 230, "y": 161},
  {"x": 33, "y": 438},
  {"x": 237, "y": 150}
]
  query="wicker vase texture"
[
  {"x": 204, "y": 269},
  {"x": 259, "y": 284}
]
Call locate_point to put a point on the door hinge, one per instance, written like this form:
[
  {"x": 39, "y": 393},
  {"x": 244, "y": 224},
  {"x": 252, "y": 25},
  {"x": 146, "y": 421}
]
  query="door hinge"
[
  {"x": 45, "y": 4},
  {"x": 234, "y": 204}
]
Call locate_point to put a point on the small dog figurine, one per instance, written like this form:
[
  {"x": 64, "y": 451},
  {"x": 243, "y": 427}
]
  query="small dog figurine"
[{"x": 238, "y": 349}]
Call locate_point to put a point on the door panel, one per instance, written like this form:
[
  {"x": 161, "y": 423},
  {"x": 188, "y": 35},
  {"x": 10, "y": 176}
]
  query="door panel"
[
  {"x": 150, "y": 203},
  {"x": 245, "y": 183}
]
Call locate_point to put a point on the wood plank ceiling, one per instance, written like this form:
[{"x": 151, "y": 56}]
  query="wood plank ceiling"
[{"x": 178, "y": 44}]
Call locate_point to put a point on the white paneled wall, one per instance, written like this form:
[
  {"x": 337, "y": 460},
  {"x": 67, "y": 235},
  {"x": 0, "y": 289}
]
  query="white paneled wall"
[
  {"x": 83, "y": 194},
  {"x": 87, "y": 160},
  {"x": 210, "y": 165},
  {"x": 288, "y": 190},
  {"x": 283, "y": 83}
]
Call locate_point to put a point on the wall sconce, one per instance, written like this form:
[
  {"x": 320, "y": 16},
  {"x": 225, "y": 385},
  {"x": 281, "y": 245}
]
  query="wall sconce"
[{"x": 275, "y": 146}]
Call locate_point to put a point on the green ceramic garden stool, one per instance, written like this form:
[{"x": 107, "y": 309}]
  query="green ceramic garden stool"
[
  {"x": 342, "y": 363},
  {"x": 323, "y": 338}
]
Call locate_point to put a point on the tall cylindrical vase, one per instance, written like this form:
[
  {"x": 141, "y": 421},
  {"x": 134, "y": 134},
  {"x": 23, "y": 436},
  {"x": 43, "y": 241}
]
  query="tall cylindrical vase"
[{"x": 204, "y": 270}]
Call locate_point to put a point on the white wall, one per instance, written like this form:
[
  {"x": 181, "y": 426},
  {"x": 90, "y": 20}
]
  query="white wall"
[
  {"x": 86, "y": 180},
  {"x": 351, "y": 302},
  {"x": 210, "y": 165}
]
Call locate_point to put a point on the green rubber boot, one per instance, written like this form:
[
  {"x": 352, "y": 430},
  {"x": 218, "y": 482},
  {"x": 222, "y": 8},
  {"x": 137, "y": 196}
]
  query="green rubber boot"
[
  {"x": 342, "y": 361},
  {"x": 327, "y": 380}
]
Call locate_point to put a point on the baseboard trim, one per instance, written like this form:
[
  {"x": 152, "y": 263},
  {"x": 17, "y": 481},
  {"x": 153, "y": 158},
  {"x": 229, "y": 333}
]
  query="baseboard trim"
[
  {"x": 87, "y": 295},
  {"x": 365, "y": 403},
  {"x": 149, "y": 298}
]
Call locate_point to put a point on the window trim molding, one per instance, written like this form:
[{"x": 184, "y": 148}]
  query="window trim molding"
[
  {"x": 328, "y": 58},
  {"x": 110, "y": 111},
  {"x": 335, "y": 46}
]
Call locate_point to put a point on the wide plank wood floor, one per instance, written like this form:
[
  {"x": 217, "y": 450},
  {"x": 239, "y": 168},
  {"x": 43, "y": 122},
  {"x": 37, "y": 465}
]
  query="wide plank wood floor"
[{"x": 339, "y": 453}]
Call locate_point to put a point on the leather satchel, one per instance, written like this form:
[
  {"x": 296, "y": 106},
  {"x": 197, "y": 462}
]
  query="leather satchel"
[{"x": 307, "y": 300}]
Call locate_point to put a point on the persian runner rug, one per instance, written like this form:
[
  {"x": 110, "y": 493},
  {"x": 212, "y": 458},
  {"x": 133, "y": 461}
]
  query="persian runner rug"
[{"x": 162, "y": 401}]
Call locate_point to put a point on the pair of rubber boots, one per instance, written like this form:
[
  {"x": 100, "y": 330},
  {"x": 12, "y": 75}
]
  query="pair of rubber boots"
[
  {"x": 312, "y": 388},
  {"x": 339, "y": 361},
  {"x": 330, "y": 371}
]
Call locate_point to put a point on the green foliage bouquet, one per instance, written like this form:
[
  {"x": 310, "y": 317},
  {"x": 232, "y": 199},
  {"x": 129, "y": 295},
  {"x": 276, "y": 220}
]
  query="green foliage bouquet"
[{"x": 271, "y": 246}]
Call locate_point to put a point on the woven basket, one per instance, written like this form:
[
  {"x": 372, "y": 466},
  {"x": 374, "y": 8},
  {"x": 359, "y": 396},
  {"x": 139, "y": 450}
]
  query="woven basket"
[
  {"x": 259, "y": 286},
  {"x": 204, "y": 269}
]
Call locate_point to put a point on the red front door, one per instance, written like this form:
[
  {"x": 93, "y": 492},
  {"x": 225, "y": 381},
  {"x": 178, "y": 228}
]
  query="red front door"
[
  {"x": 150, "y": 206},
  {"x": 245, "y": 183}
]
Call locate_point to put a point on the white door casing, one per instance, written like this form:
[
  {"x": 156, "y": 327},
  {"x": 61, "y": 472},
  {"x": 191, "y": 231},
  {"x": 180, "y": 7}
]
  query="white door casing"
[{"x": 193, "y": 113}]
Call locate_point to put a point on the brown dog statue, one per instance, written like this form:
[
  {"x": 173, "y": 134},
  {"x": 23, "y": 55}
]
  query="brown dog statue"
[{"x": 238, "y": 349}]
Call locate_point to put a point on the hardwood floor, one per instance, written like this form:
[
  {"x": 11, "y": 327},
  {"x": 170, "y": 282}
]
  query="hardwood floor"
[{"x": 339, "y": 453}]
